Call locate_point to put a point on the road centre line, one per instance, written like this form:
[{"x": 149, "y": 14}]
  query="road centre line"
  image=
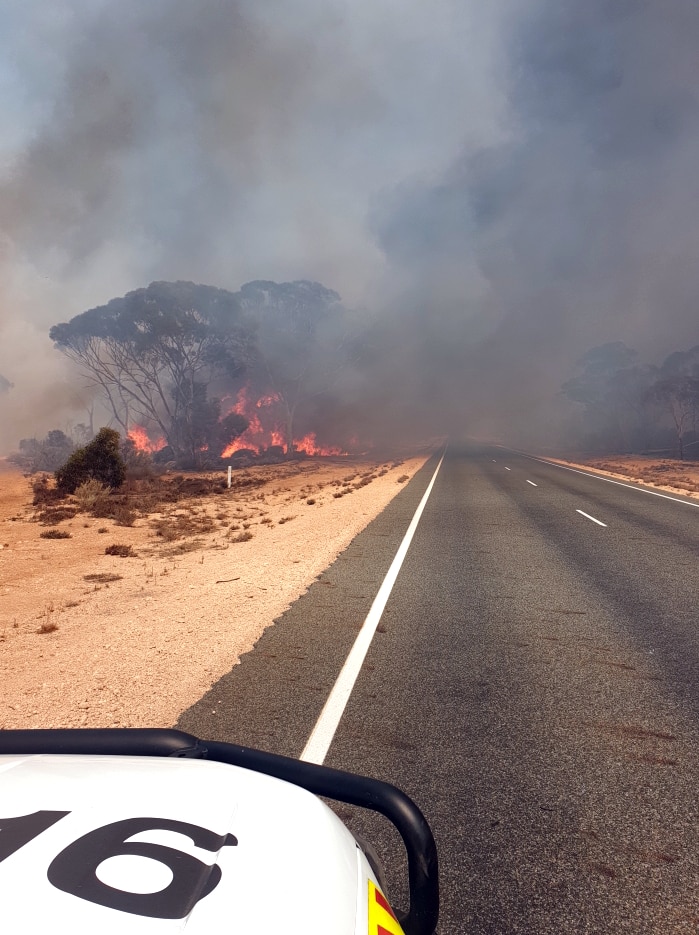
[
  {"x": 508, "y": 469},
  {"x": 618, "y": 483},
  {"x": 532, "y": 483},
  {"x": 322, "y": 734},
  {"x": 587, "y": 516}
]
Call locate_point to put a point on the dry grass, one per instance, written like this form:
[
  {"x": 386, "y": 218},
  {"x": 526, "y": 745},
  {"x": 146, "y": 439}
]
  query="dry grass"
[
  {"x": 56, "y": 515},
  {"x": 124, "y": 515},
  {"x": 103, "y": 577},
  {"x": 44, "y": 491},
  {"x": 89, "y": 493},
  {"x": 241, "y": 537},
  {"x": 180, "y": 525},
  {"x": 181, "y": 548},
  {"x": 682, "y": 475},
  {"x": 55, "y": 534},
  {"x": 123, "y": 551},
  {"x": 48, "y": 626}
]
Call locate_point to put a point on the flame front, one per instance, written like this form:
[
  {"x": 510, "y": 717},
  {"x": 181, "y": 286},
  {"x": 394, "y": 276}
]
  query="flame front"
[
  {"x": 139, "y": 436},
  {"x": 266, "y": 428}
]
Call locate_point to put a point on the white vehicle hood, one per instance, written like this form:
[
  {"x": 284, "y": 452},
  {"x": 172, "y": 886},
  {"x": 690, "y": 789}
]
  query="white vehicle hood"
[{"x": 158, "y": 845}]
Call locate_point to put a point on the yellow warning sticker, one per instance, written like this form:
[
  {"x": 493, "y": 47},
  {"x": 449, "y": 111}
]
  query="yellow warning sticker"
[{"x": 382, "y": 920}]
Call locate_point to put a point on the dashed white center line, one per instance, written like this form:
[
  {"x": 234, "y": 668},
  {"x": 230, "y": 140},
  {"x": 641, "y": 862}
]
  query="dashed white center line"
[
  {"x": 587, "y": 516},
  {"x": 508, "y": 469},
  {"x": 532, "y": 483}
]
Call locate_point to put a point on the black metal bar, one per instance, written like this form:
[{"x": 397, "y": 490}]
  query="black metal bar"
[
  {"x": 401, "y": 811},
  {"x": 107, "y": 742}
]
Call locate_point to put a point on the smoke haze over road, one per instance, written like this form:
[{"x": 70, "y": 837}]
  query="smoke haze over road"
[{"x": 499, "y": 185}]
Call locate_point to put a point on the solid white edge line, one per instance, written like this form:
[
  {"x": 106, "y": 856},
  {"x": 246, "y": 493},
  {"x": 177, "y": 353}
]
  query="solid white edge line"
[
  {"x": 322, "y": 734},
  {"x": 653, "y": 493},
  {"x": 587, "y": 516},
  {"x": 532, "y": 483}
]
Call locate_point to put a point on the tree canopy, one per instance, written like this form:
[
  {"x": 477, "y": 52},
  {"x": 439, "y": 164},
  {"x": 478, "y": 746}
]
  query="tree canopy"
[
  {"x": 630, "y": 406},
  {"x": 153, "y": 353}
]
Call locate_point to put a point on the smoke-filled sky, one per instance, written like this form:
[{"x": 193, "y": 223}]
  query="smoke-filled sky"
[{"x": 508, "y": 183}]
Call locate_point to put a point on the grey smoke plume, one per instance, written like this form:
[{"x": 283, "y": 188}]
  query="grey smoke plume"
[
  {"x": 501, "y": 185},
  {"x": 579, "y": 228}
]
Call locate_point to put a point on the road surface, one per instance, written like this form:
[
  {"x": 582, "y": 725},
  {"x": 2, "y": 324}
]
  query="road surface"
[{"x": 533, "y": 683}]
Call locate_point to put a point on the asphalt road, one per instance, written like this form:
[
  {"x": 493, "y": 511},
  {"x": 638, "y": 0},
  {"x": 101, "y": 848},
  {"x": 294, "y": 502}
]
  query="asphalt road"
[{"x": 533, "y": 685}]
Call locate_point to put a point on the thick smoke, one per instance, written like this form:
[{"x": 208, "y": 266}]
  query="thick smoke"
[
  {"x": 577, "y": 229},
  {"x": 499, "y": 185}
]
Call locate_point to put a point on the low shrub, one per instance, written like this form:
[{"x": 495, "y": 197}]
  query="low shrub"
[
  {"x": 55, "y": 534},
  {"x": 123, "y": 551},
  {"x": 89, "y": 493},
  {"x": 48, "y": 626},
  {"x": 124, "y": 515},
  {"x": 100, "y": 459},
  {"x": 44, "y": 492},
  {"x": 46, "y": 454},
  {"x": 52, "y": 517}
]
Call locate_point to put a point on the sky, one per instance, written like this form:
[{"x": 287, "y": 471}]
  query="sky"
[{"x": 500, "y": 186}]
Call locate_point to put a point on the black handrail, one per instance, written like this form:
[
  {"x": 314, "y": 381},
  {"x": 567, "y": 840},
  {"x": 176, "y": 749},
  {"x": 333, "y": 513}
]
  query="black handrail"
[{"x": 401, "y": 811}]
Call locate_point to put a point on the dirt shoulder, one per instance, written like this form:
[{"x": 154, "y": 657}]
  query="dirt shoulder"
[
  {"x": 679, "y": 477},
  {"x": 95, "y": 640}
]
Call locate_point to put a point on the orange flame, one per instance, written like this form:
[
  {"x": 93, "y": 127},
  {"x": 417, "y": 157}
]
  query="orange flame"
[
  {"x": 266, "y": 428},
  {"x": 141, "y": 440}
]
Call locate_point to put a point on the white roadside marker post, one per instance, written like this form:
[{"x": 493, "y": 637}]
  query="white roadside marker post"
[{"x": 230, "y": 470}]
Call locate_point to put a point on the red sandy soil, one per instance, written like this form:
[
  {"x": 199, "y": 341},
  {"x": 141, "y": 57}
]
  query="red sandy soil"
[
  {"x": 681, "y": 477},
  {"x": 96, "y": 640}
]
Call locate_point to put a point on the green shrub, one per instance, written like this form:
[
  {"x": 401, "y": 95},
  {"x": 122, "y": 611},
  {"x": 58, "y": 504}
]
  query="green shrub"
[{"x": 100, "y": 459}]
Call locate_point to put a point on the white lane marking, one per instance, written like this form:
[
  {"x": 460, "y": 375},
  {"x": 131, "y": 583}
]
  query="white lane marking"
[
  {"x": 508, "y": 469},
  {"x": 618, "y": 483},
  {"x": 322, "y": 734},
  {"x": 494, "y": 461},
  {"x": 532, "y": 483},
  {"x": 587, "y": 516}
]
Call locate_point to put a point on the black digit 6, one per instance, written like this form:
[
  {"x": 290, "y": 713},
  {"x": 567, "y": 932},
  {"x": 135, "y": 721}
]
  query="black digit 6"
[
  {"x": 74, "y": 869},
  {"x": 16, "y": 832}
]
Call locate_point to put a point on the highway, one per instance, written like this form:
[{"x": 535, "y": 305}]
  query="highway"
[{"x": 533, "y": 683}]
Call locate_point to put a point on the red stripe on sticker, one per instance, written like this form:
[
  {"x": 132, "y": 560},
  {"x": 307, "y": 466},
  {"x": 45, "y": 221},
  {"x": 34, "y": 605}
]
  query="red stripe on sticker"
[{"x": 382, "y": 901}]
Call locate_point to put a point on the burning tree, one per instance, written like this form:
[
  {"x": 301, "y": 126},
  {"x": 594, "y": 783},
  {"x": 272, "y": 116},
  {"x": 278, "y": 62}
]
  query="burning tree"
[
  {"x": 302, "y": 345},
  {"x": 153, "y": 353}
]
